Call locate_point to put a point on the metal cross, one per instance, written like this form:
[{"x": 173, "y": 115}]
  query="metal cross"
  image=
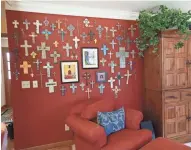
[
  {"x": 86, "y": 76},
  {"x": 111, "y": 80},
  {"x": 104, "y": 49},
  {"x": 63, "y": 90},
  {"x": 119, "y": 77},
  {"x": 33, "y": 54},
  {"x": 62, "y": 33},
  {"x": 16, "y": 73},
  {"x": 71, "y": 28},
  {"x": 46, "y": 22},
  {"x": 67, "y": 48},
  {"x": 116, "y": 91},
  {"x": 92, "y": 84},
  {"x": 82, "y": 86},
  {"x": 113, "y": 31},
  {"x": 88, "y": 91},
  {"x": 55, "y": 55},
  {"x": 46, "y": 33},
  {"x": 26, "y": 23},
  {"x": 103, "y": 61},
  {"x": 101, "y": 88},
  {"x": 26, "y": 46},
  {"x": 112, "y": 65},
  {"x": 41, "y": 74},
  {"x": 15, "y": 23},
  {"x": 113, "y": 44},
  {"x": 130, "y": 63},
  {"x": 106, "y": 35},
  {"x": 15, "y": 37},
  {"x": 48, "y": 67},
  {"x": 83, "y": 35},
  {"x": 73, "y": 87},
  {"x": 118, "y": 25},
  {"x": 58, "y": 23},
  {"x": 25, "y": 67},
  {"x": 56, "y": 43},
  {"x": 99, "y": 29},
  {"x": 37, "y": 62},
  {"x": 91, "y": 34},
  {"x": 76, "y": 40},
  {"x": 127, "y": 75},
  {"x": 110, "y": 53},
  {"x": 122, "y": 55},
  {"x": 33, "y": 36},
  {"x": 44, "y": 49},
  {"x": 132, "y": 30},
  {"x": 133, "y": 53},
  {"x": 119, "y": 38},
  {"x": 128, "y": 42},
  {"x": 37, "y": 24},
  {"x": 51, "y": 84},
  {"x": 86, "y": 22}
]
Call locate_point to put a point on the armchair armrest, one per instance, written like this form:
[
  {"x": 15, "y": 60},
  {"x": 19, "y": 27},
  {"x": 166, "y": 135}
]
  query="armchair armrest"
[{"x": 90, "y": 131}]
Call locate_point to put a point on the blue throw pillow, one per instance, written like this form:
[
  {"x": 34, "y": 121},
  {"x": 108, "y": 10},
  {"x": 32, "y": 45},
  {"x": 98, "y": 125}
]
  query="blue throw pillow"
[{"x": 112, "y": 121}]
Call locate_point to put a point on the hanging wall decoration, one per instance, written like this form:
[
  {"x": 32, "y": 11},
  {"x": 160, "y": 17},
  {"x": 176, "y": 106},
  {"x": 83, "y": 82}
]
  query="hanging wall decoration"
[
  {"x": 86, "y": 22},
  {"x": 41, "y": 75},
  {"x": 116, "y": 91},
  {"x": 74, "y": 56},
  {"x": 112, "y": 65},
  {"x": 128, "y": 42},
  {"x": 16, "y": 73},
  {"x": 82, "y": 86},
  {"x": 131, "y": 63},
  {"x": 113, "y": 31},
  {"x": 102, "y": 61},
  {"x": 101, "y": 88},
  {"x": 101, "y": 76},
  {"x": 133, "y": 53},
  {"x": 92, "y": 84},
  {"x": 56, "y": 43},
  {"x": 44, "y": 49},
  {"x": 76, "y": 40},
  {"x": 33, "y": 55},
  {"x": 63, "y": 90},
  {"x": 73, "y": 87},
  {"x": 62, "y": 34},
  {"x": 127, "y": 75},
  {"x": 38, "y": 62},
  {"x": 71, "y": 28},
  {"x": 118, "y": 26},
  {"x": 37, "y": 24},
  {"x": 15, "y": 23},
  {"x": 33, "y": 36},
  {"x": 122, "y": 55},
  {"x": 119, "y": 39},
  {"x": 53, "y": 26},
  {"x": 132, "y": 30},
  {"x": 111, "y": 81},
  {"x": 110, "y": 54},
  {"x": 67, "y": 47},
  {"x": 46, "y": 33},
  {"x": 16, "y": 37},
  {"x": 86, "y": 76},
  {"x": 35, "y": 84},
  {"x": 104, "y": 49},
  {"x": 88, "y": 91},
  {"x": 83, "y": 35},
  {"x": 46, "y": 22},
  {"x": 26, "y": 46},
  {"x": 99, "y": 29},
  {"x": 113, "y": 44},
  {"x": 48, "y": 67},
  {"x": 119, "y": 77},
  {"x": 51, "y": 84},
  {"x": 26, "y": 23},
  {"x": 58, "y": 23},
  {"x": 55, "y": 56},
  {"x": 25, "y": 67},
  {"x": 91, "y": 34},
  {"x": 106, "y": 33}
]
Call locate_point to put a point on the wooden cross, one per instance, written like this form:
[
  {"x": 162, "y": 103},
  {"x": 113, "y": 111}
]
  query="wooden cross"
[
  {"x": 92, "y": 84},
  {"x": 63, "y": 90},
  {"x": 86, "y": 22},
  {"x": 118, "y": 26},
  {"x": 37, "y": 24},
  {"x": 91, "y": 34},
  {"x": 86, "y": 76},
  {"x": 122, "y": 55},
  {"x": 119, "y": 77},
  {"x": 119, "y": 38},
  {"x": 26, "y": 23},
  {"x": 88, "y": 91},
  {"x": 16, "y": 37},
  {"x": 113, "y": 31},
  {"x": 104, "y": 49},
  {"x": 130, "y": 63},
  {"x": 112, "y": 65},
  {"x": 73, "y": 87},
  {"x": 116, "y": 91},
  {"x": 33, "y": 36},
  {"x": 106, "y": 30},
  {"x": 38, "y": 62},
  {"x": 15, "y": 23},
  {"x": 51, "y": 84},
  {"x": 44, "y": 49},
  {"x": 71, "y": 28},
  {"x": 25, "y": 67},
  {"x": 111, "y": 80},
  {"x": 103, "y": 61},
  {"x": 16, "y": 73},
  {"x": 99, "y": 29},
  {"x": 82, "y": 86},
  {"x": 33, "y": 54},
  {"x": 58, "y": 23},
  {"x": 55, "y": 55},
  {"x": 48, "y": 67},
  {"x": 46, "y": 33},
  {"x": 133, "y": 53},
  {"x": 113, "y": 44},
  {"x": 110, "y": 53},
  {"x": 53, "y": 26},
  {"x": 62, "y": 33},
  {"x": 26, "y": 46},
  {"x": 83, "y": 35},
  {"x": 101, "y": 88},
  {"x": 67, "y": 48},
  {"x": 76, "y": 40},
  {"x": 56, "y": 43},
  {"x": 128, "y": 42},
  {"x": 127, "y": 75},
  {"x": 132, "y": 30},
  {"x": 46, "y": 22},
  {"x": 41, "y": 75}
]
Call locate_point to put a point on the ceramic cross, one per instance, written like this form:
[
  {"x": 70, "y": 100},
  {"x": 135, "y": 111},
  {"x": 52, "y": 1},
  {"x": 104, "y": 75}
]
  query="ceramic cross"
[
  {"x": 67, "y": 48},
  {"x": 111, "y": 80},
  {"x": 128, "y": 42},
  {"x": 58, "y": 23},
  {"x": 71, "y": 28},
  {"x": 82, "y": 86},
  {"x": 88, "y": 91},
  {"x": 131, "y": 63},
  {"x": 118, "y": 26},
  {"x": 113, "y": 44},
  {"x": 37, "y": 24},
  {"x": 133, "y": 53},
  {"x": 48, "y": 67},
  {"x": 41, "y": 75},
  {"x": 44, "y": 49},
  {"x": 119, "y": 77},
  {"x": 51, "y": 84},
  {"x": 101, "y": 88},
  {"x": 106, "y": 35},
  {"x": 86, "y": 76},
  {"x": 55, "y": 55},
  {"x": 113, "y": 31},
  {"x": 73, "y": 87},
  {"x": 83, "y": 35},
  {"x": 116, "y": 91},
  {"x": 38, "y": 62},
  {"x": 15, "y": 23},
  {"x": 119, "y": 38},
  {"x": 127, "y": 75},
  {"x": 91, "y": 34},
  {"x": 63, "y": 90},
  {"x": 86, "y": 22},
  {"x": 33, "y": 54},
  {"x": 25, "y": 67},
  {"x": 26, "y": 23},
  {"x": 76, "y": 40},
  {"x": 92, "y": 84},
  {"x": 103, "y": 61},
  {"x": 46, "y": 22},
  {"x": 99, "y": 29},
  {"x": 112, "y": 65},
  {"x": 56, "y": 43},
  {"x": 122, "y": 55},
  {"x": 132, "y": 30},
  {"x": 104, "y": 49},
  {"x": 110, "y": 53},
  {"x": 46, "y": 33},
  {"x": 16, "y": 73},
  {"x": 26, "y": 46},
  {"x": 62, "y": 33},
  {"x": 16, "y": 37},
  {"x": 33, "y": 36}
]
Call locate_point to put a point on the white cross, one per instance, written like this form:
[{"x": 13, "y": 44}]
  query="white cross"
[
  {"x": 116, "y": 90},
  {"x": 127, "y": 75},
  {"x": 101, "y": 88},
  {"x": 16, "y": 23},
  {"x": 43, "y": 48},
  {"x": 73, "y": 87},
  {"x": 82, "y": 86},
  {"x": 112, "y": 65},
  {"x": 88, "y": 91},
  {"x": 111, "y": 80},
  {"x": 92, "y": 84},
  {"x": 86, "y": 22},
  {"x": 51, "y": 84},
  {"x": 26, "y": 24},
  {"x": 48, "y": 67},
  {"x": 55, "y": 55},
  {"x": 113, "y": 44},
  {"x": 133, "y": 53},
  {"x": 132, "y": 30},
  {"x": 110, "y": 53},
  {"x": 113, "y": 31},
  {"x": 122, "y": 55},
  {"x": 56, "y": 43},
  {"x": 33, "y": 36},
  {"x": 59, "y": 23},
  {"x": 26, "y": 46},
  {"x": 76, "y": 40},
  {"x": 103, "y": 61},
  {"x": 67, "y": 48},
  {"x": 37, "y": 24},
  {"x": 38, "y": 62}
]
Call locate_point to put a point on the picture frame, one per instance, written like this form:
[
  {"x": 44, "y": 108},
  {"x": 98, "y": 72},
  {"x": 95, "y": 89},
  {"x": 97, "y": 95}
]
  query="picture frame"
[
  {"x": 69, "y": 71},
  {"x": 90, "y": 58},
  {"x": 101, "y": 76}
]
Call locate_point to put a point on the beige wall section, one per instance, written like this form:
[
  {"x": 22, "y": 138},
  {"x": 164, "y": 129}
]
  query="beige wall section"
[{"x": 3, "y": 19}]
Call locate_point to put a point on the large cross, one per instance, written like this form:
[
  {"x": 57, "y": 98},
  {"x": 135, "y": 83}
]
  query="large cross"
[
  {"x": 56, "y": 43},
  {"x": 63, "y": 90},
  {"x": 103, "y": 61},
  {"x": 46, "y": 33},
  {"x": 26, "y": 23},
  {"x": 92, "y": 84},
  {"x": 110, "y": 53},
  {"x": 51, "y": 84},
  {"x": 67, "y": 48},
  {"x": 25, "y": 67},
  {"x": 86, "y": 76},
  {"x": 119, "y": 38},
  {"x": 101, "y": 88},
  {"x": 76, "y": 40},
  {"x": 132, "y": 30},
  {"x": 62, "y": 33},
  {"x": 15, "y": 23},
  {"x": 48, "y": 67},
  {"x": 112, "y": 65},
  {"x": 113, "y": 44},
  {"x": 71, "y": 28},
  {"x": 55, "y": 55},
  {"x": 88, "y": 91},
  {"x": 82, "y": 86},
  {"x": 91, "y": 34},
  {"x": 116, "y": 91},
  {"x": 104, "y": 49},
  {"x": 26, "y": 46},
  {"x": 38, "y": 62},
  {"x": 111, "y": 80},
  {"x": 53, "y": 26},
  {"x": 127, "y": 75},
  {"x": 33, "y": 36},
  {"x": 83, "y": 35},
  {"x": 37, "y": 24},
  {"x": 122, "y": 55},
  {"x": 119, "y": 77},
  {"x": 113, "y": 31},
  {"x": 41, "y": 75},
  {"x": 99, "y": 29},
  {"x": 58, "y": 23},
  {"x": 73, "y": 87},
  {"x": 44, "y": 49}
]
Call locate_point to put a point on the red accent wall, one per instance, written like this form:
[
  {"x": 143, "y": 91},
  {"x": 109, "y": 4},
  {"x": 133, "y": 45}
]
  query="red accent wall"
[{"x": 39, "y": 117}]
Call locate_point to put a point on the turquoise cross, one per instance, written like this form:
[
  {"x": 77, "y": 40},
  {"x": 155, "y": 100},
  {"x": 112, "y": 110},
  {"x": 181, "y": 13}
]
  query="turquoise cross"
[{"x": 104, "y": 49}]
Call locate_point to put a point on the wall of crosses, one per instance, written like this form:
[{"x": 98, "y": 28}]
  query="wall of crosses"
[{"x": 38, "y": 42}]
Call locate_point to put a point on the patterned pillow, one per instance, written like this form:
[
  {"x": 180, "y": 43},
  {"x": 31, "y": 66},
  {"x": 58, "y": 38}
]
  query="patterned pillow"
[{"x": 112, "y": 121}]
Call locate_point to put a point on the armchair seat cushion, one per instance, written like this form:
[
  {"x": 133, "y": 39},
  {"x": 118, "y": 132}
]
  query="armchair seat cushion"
[{"x": 128, "y": 139}]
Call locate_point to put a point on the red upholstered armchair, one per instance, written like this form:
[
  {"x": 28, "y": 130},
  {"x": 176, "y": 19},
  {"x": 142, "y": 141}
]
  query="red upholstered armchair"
[{"x": 90, "y": 136}]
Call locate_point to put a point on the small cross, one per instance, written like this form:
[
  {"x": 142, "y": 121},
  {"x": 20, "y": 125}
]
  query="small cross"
[
  {"x": 33, "y": 54},
  {"x": 15, "y": 37},
  {"x": 73, "y": 87},
  {"x": 95, "y": 41},
  {"x": 26, "y": 23},
  {"x": 48, "y": 67},
  {"x": 46, "y": 33},
  {"x": 37, "y": 24},
  {"x": 101, "y": 88},
  {"x": 118, "y": 26},
  {"x": 91, "y": 34},
  {"x": 122, "y": 55},
  {"x": 133, "y": 53},
  {"x": 46, "y": 22},
  {"x": 25, "y": 67},
  {"x": 76, "y": 40},
  {"x": 128, "y": 42},
  {"x": 33, "y": 36},
  {"x": 44, "y": 49},
  {"x": 41, "y": 75},
  {"x": 127, "y": 75},
  {"x": 58, "y": 23},
  {"x": 132, "y": 30},
  {"x": 16, "y": 73},
  {"x": 113, "y": 31},
  {"x": 88, "y": 91},
  {"x": 82, "y": 86},
  {"x": 62, "y": 33},
  {"x": 86, "y": 76},
  {"x": 119, "y": 38},
  {"x": 106, "y": 30},
  {"x": 55, "y": 55},
  {"x": 116, "y": 91},
  {"x": 53, "y": 26},
  {"x": 86, "y": 22},
  {"x": 92, "y": 84},
  {"x": 67, "y": 48},
  {"x": 111, "y": 80},
  {"x": 103, "y": 61},
  {"x": 71, "y": 28},
  {"x": 56, "y": 43},
  {"x": 63, "y": 90},
  {"x": 110, "y": 53},
  {"x": 130, "y": 63},
  {"x": 112, "y": 65},
  {"x": 15, "y": 23},
  {"x": 99, "y": 29},
  {"x": 104, "y": 49},
  {"x": 113, "y": 44},
  {"x": 26, "y": 46},
  {"x": 83, "y": 35},
  {"x": 38, "y": 62},
  {"x": 119, "y": 77},
  {"x": 51, "y": 84}
]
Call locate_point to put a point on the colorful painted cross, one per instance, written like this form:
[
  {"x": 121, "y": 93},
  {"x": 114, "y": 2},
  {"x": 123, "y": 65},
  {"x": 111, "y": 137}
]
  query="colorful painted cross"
[
  {"x": 26, "y": 46},
  {"x": 71, "y": 28},
  {"x": 33, "y": 36},
  {"x": 37, "y": 24},
  {"x": 132, "y": 30},
  {"x": 91, "y": 34},
  {"x": 16, "y": 37},
  {"x": 119, "y": 77},
  {"x": 16, "y": 73},
  {"x": 122, "y": 55},
  {"x": 101, "y": 88},
  {"x": 112, "y": 65},
  {"x": 113, "y": 31},
  {"x": 119, "y": 39},
  {"x": 106, "y": 35},
  {"x": 133, "y": 53},
  {"x": 86, "y": 22},
  {"x": 131, "y": 63},
  {"x": 63, "y": 90},
  {"x": 76, "y": 40},
  {"x": 118, "y": 25},
  {"x": 15, "y": 23},
  {"x": 58, "y": 23},
  {"x": 53, "y": 26},
  {"x": 46, "y": 33},
  {"x": 25, "y": 67},
  {"x": 51, "y": 84},
  {"x": 26, "y": 23},
  {"x": 56, "y": 43},
  {"x": 82, "y": 86},
  {"x": 116, "y": 91},
  {"x": 67, "y": 48},
  {"x": 48, "y": 67},
  {"x": 83, "y": 35},
  {"x": 99, "y": 29},
  {"x": 55, "y": 55},
  {"x": 104, "y": 49},
  {"x": 128, "y": 41},
  {"x": 41, "y": 75},
  {"x": 73, "y": 87},
  {"x": 86, "y": 76},
  {"x": 46, "y": 22},
  {"x": 111, "y": 80},
  {"x": 44, "y": 49},
  {"x": 37, "y": 62},
  {"x": 110, "y": 53},
  {"x": 103, "y": 61},
  {"x": 33, "y": 54},
  {"x": 92, "y": 84},
  {"x": 113, "y": 44},
  {"x": 88, "y": 91},
  {"x": 62, "y": 33},
  {"x": 127, "y": 75}
]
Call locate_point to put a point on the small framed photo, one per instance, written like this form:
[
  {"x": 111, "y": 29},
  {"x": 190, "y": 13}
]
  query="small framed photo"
[
  {"x": 69, "y": 71},
  {"x": 90, "y": 58},
  {"x": 101, "y": 76}
]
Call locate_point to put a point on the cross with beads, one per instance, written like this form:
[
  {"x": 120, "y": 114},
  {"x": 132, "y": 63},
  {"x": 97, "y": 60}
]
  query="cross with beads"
[
  {"x": 51, "y": 84},
  {"x": 37, "y": 24},
  {"x": 71, "y": 28},
  {"x": 111, "y": 80},
  {"x": 101, "y": 88},
  {"x": 86, "y": 76},
  {"x": 119, "y": 77},
  {"x": 82, "y": 86},
  {"x": 122, "y": 55},
  {"x": 53, "y": 26},
  {"x": 92, "y": 84},
  {"x": 133, "y": 53},
  {"x": 46, "y": 33}
]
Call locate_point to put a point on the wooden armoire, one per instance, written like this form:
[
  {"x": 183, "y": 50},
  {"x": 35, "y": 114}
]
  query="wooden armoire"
[{"x": 167, "y": 78}]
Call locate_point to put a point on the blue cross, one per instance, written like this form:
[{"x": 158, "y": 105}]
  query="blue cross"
[{"x": 104, "y": 49}]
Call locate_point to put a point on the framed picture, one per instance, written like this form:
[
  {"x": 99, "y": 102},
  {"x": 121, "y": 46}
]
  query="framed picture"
[
  {"x": 90, "y": 58},
  {"x": 101, "y": 76},
  {"x": 69, "y": 71}
]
